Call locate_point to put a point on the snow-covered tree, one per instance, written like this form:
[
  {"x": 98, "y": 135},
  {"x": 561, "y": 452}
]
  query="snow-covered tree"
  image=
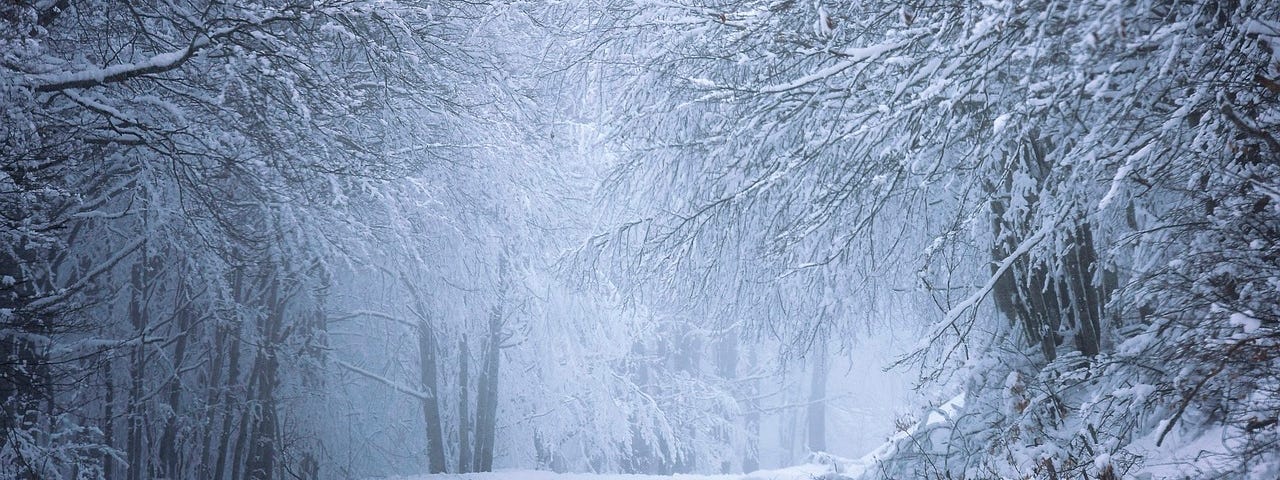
[
  {"x": 177, "y": 177},
  {"x": 1049, "y": 157}
]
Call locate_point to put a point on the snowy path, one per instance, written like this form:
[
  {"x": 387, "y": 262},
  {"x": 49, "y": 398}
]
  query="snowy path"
[
  {"x": 800, "y": 472},
  {"x": 824, "y": 467}
]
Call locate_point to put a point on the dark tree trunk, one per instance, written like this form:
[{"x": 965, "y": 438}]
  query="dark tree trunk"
[
  {"x": 487, "y": 398},
  {"x": 464, "y": 415},
  {"x": 233, "y": 376},
  {"x": 1087, "y": 290},
  {"x": 242, "y": 436},
  {"x": 108, "y": 419},
  {"x": 487, "y": 395},
  {"x": 206, "y": 467},
  {"x": 135, "y": 414},
  {"x": 263, "y": 422},
  {"x": 23, "y": 382},
  {"x": 1049, "y": 299},
  {"x": 228, "y": 454},
  {"x": 261, "y": 463},
  {"x": 431, "y": 405},
  {"x": 170, "y": 455},
  {"x": 24, "y": 374},
  {"x": 245, "y": 430}
]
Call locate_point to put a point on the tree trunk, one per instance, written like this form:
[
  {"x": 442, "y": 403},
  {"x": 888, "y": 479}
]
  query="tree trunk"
[
  {"x": 233, "y": 376},
  {"x": 487, "y": 399},
  {"x": 431, "y": 405},
  {"x": 24, "y": 372},
  {"x": 1049, "y": 298},
  {"x": 137, "y": 370},
  {"x": 108, "y": 419},
  {"x": 1049, "y": 303},
  {"x": 228, "y": 465},
  {"x": 170, "y": 456},
  {"x": 751, "y": 458},
  {"x": 464, "y": 416},
  {"x": 263, "y": 425},
  {"x": 727, "y": 370},
  {"x": 214, "y": 386},
  {"x": 1088, "y": 290},
  {"x": 245, "y": 430},
  {"x": 487, "y": 395},
  {"x": 817, "y": 410}
]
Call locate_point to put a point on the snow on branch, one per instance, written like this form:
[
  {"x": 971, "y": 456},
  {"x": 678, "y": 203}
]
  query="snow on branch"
[
  {"x": 399, "y": 387},
  {"x": 852, "y": 56},
  {"x": 970, "y": 302},
  {"x": 159, "y": 63},
  {"x": 378, "y": 315},
  {"x": 62, "y": 294},
  {"x": 97, "y": 76}
]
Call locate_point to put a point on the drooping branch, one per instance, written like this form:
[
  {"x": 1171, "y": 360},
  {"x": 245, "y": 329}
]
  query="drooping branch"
[
  {"x": 397, "y": 386},
  {"x": 155, "y": 64}
]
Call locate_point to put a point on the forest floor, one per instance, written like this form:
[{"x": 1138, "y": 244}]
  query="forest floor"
[
  {"x": 800, "y": 472},
  {"x": 820, "y": 466}
]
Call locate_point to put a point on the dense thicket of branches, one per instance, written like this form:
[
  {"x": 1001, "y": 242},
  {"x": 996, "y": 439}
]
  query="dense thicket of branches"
[
  {"x": 341, "y": 238},
  {"x": 1085, "y": 190},
  {"x": 319, "y": 239},
  {"x": 177, "y": 191}
]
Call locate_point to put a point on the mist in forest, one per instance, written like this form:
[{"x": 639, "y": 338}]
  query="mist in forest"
[{"x": 757, "y": 239}]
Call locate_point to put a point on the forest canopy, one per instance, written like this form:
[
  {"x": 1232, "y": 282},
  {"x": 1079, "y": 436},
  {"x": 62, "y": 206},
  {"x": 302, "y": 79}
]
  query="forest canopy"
[{"x": 357, "y": 238}]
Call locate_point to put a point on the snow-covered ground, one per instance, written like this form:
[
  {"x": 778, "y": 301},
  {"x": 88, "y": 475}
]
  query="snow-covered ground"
[
  {"x": 1188, "y": 457},
  {"x": 822, "y": 467},
  {"x": 800, "y": 472},
  {"x": 541, "y": 475}
]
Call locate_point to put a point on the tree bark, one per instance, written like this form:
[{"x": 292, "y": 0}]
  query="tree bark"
[
  {"x": 487, "y": 399},
  {"x": 24, "y": 371},
  {"x": 263, "y": 445},
  {"x": 206, "y": 467},
  {"x": 464, "y": 415},
  {"x": 137, "y": 370},
  {"x": 108, "y": 419},
  {"x": 1048, "y": 298},
  {"x": 229, "y": 454},
  {"x": 431, "y": 405},
  {"x": 238, "y": 451},
  {"x": 487, "y": 396},
  {"x": 261, "y": 463},
  {"x": 170, "y": 456},
  {"x": 233, "y": 376}
]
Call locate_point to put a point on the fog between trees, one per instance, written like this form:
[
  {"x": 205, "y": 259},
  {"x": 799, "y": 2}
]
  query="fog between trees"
[{"x": 345, "y": 238}]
